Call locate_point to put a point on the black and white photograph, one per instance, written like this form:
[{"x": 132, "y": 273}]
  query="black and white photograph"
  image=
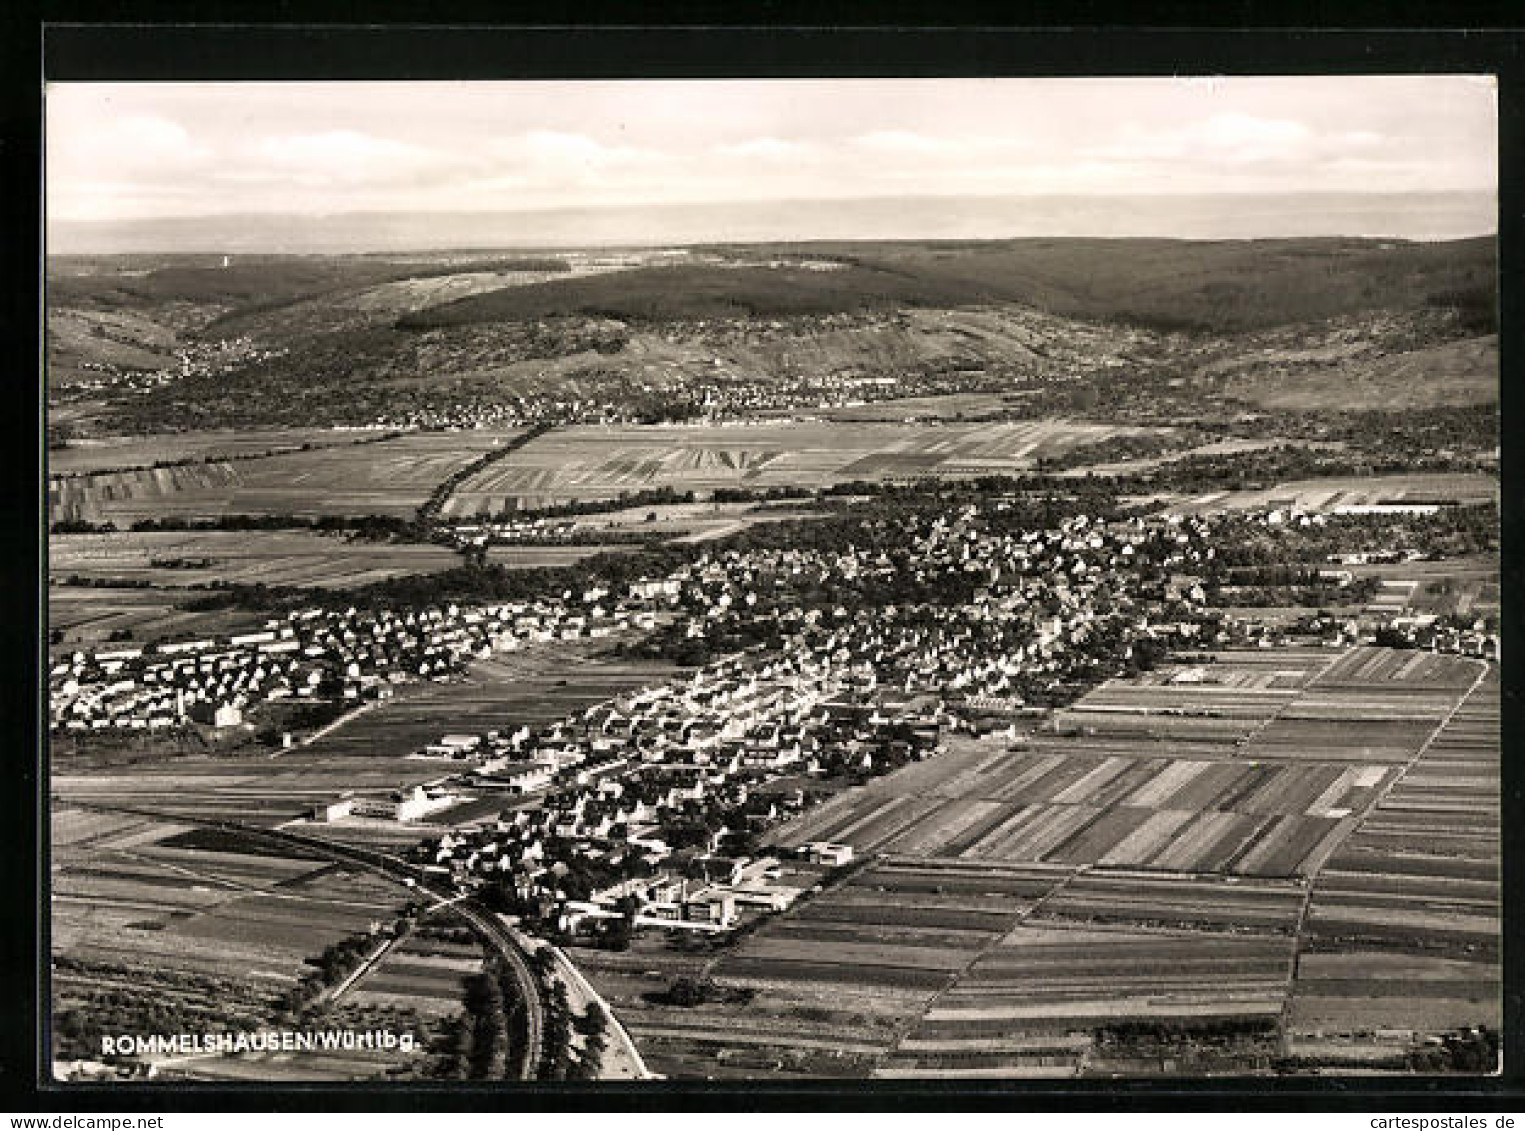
[{"x": 731, "y": 580}]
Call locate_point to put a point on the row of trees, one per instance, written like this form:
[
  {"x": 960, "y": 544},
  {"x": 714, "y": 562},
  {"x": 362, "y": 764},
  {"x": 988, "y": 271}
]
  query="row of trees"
[
  {"x": 649, "y": 497},
  {"x": 559, "y": 1060},
  {"x": 1471, "y": 1051},
  {"x": 488, "y": 1041},
  {"x": 338, "y": 961},
  {"x": 429, "y": 509},
  {"x": 100, "y": 1006},
  {"x": 220, "y": 457}
]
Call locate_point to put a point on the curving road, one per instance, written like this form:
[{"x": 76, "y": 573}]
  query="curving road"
[{"x": 482, "y": 921}]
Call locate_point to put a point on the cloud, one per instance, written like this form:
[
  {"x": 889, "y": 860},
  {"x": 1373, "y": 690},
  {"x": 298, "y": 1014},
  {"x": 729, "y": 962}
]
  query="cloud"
[
  {"x": 343, "y": 156},
  {"x": 1246, "y": 131},
  {"x": 552, "y": 150},
  {"x": 148, "y": 149},
  {"x": 147, "y": 160},
  {"x": 901, "y": 142},
  {"x": 764, "y": 149},
  {"x": 135, "y": 143},
  {"x": 950, "y": 147},
  {"x": 1222, "y": 137}
]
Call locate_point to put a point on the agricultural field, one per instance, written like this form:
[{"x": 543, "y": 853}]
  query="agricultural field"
[
  {"x": 390, "y": 477},
  {"x": 601, "y": 462},
  {"x": 266, "y": 557},
  {"x": 1259, "y": 766},
  {"x": 898, "y": 925},
  {"x": 1460, "y": 586},
  {"x": 536, "y": 684},
  {"x": 297, "y": 558},
  {"x": 949, "y": 406},
  {"x": 211, "y": 928},
  {"x": 1403, "y": 928},
  {"x": 825, "y": 990},
  {"x": 1326, "y": 494},
  {"x": 948, "y": 968},
  {"x": 88, "y": 615},
  {"x": 1370, "y": 705},
  {"x": 112, "y": 453},
  {"x": 257, "y": 789},
  {"x": 1033, "y": 1003},
  {"x": 1068, "y": 806},
  {"x": 687, "y": 522},
  {"x": 422, "y": 973},
  {"x": 1131, "y": 902}
]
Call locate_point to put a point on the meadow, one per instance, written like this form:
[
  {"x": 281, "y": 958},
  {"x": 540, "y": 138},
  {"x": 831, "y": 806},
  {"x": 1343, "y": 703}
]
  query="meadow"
[
  {"x": 157, "y": 927},
  {"x": 599, "y": 462},
  {"x": 110, "y": 453},
  {"x": 537, "y": 684},
  {"x": 89, "y": 615},
  {"x": 277, "y": 558},
  {"x": 390, "y": 477},
  {"x": 1326, "y": 494}
]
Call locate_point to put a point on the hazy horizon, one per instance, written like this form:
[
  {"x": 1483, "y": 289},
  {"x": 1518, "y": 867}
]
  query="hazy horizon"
[{"x": 1414, "y": 216}]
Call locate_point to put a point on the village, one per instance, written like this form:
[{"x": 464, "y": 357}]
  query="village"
[{"x": 649, "y": 809}]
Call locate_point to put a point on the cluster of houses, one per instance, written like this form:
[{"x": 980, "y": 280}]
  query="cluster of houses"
[
  {"x": 655, "y": 801},
  {"x": 410, "y": 804},
  {"x": 1456, "y": 636},
  {"x": 1027, "y": 607},
  {"x": 974, "y": 606},
  {"x": 200, "y": 359},
  {"x": 510, "y": 532},
  {"x": 348, "y": 656},
  {"x": 839, "y": 660},
  {"x": 665, "y": 786},
  {"x": 516, "y": 412},
  {"x": 1033, "y": 596}
]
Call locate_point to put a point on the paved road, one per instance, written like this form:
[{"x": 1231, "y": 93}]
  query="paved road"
[
  {"x": 380, "y": 951},
  {"x": 622, "y": 1060},
  {"x": 482, "y": 921}
]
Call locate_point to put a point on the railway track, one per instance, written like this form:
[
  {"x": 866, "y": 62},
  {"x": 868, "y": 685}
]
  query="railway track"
[{"x": 482, "y": 921}]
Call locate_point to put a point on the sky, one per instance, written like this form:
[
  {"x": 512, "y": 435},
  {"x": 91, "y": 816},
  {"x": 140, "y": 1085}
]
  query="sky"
[
  {"x": 118, "y": 151},
  {"x": 145, "y": 151}
]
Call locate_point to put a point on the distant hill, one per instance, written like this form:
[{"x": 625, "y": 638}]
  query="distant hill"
[
  {"x": 1214, "y": 285},
  {"x": 261, "y": 282},
  {"x": 132, "y": 312},
  {"x": 1276, "y": 323},
  {"x": 667, "y": 294},
  {"x": 1211, "y": 286},
  {"x": 1427, "y": 216}
]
